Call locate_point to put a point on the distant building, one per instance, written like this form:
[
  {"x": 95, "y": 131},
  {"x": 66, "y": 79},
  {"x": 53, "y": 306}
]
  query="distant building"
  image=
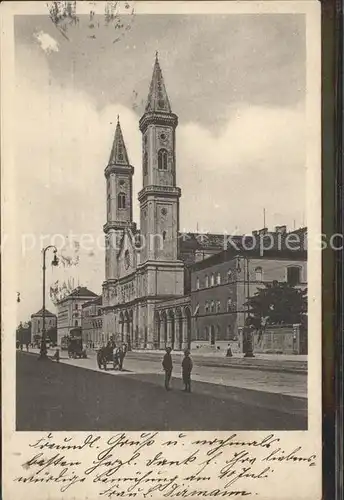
[
  {"x": 92, "y": 322},
  {"x": 221, "y": 284},
  {"x": 69, "y": 310},
  {"x": 37, "y": 323},
  {"x": 23, "y": 333}
]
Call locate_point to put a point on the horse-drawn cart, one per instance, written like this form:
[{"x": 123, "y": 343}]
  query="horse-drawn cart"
[
  {"x": 111, "y": 354},
  {"x": 75, "y": 346}
]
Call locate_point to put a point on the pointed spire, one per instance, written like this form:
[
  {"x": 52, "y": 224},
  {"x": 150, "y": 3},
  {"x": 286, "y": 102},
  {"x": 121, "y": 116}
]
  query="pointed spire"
[
  {"x": 157, "y": 97},
  {"x": 119, "y": 155}
]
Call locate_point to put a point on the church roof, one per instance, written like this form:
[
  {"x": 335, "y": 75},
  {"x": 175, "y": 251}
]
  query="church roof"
[
  {"x": 98, "y": 302},
  {"x": 157, "y": 97},
  {"x": 119, "y": 155},
  {"x": 40, "y": 313}
]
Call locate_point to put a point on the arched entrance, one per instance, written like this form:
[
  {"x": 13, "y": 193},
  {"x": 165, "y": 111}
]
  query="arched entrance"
[
  {"x": 179, "y": 323},
  {"x": 172, "y": 326},
  {"x": 188, "y": 327},
  {"x": 121, "y": 326},
  {"x": 164, "y": 327},
  {"x": 136, "y": 336},
  {"x": 157, "y": 325},
  {"x": 212, "y": 335},
  {"x": 127, "y": 329},
  {"x": 131, "y": 327}
]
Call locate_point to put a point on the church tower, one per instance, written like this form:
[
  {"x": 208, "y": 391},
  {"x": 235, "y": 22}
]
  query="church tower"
[
  {"x": 159, "y": 198},
  {"x": 119, "y": 206}
]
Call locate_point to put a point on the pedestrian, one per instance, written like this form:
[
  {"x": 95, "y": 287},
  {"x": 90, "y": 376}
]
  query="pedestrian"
[
  {"x": 186, "y": 370},
  {"x": 167, "y": 366},
  {"x": 229, "y": 353},
  {"x": 27, "y": 347},
  {"x": 57, "y": 355}
]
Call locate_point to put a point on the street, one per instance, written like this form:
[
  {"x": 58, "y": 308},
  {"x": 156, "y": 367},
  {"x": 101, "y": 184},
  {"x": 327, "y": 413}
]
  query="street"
[{"x": 76, "y": 395}]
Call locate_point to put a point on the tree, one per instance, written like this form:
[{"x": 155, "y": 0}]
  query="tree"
[{"x": 278, "y": 304}]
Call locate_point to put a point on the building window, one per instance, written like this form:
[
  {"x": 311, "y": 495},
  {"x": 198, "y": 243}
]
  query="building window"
[
  {"x": 229, "y": 305},
  {"x": 212, "y": 282},
  {"x": 162, "y": 159},
  {"x": 145, "y": 163},
  {"x": 197, "y": 283},
  {"x": 293, "y": 275},
  {"x": 229, "y": 275},
  {"x": 218, "y": 306},
  {"x": 218, "y": 279},
  {"x": 206, "y": 308},
  {"x": 76, "y": 306},
  {"x": 212, "y": 306},
  {"x": 207, "y": 281},
  {"x": 121, "y": 200},
  {"x": 99, "y": 312},
  {"x": 76, "y": 322},
  {"x": 258, "y": 274}
]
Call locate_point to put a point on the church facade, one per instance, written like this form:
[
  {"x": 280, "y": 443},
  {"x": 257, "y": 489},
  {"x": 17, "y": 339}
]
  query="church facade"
[{"x": 144, "y": 271}]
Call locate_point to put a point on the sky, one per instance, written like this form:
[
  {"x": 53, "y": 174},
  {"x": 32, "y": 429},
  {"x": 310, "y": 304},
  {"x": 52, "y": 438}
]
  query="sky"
[{"x": 237, "y": 84}]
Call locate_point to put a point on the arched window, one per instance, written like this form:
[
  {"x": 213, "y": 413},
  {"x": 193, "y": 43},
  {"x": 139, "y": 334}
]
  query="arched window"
[
  {"x": 229, "y": 305},
  {"x": 162, "y": 159},
  {"x": 207, "y": 281},
  {"x": 197, "y": 283},
  {"x": 259, "y": 274},
  {"x": 206, "y": 308},
  {"x": 212, "y": 306},
  {"x": 76, "y": 322},
  {"x": 145, "y": 163},
  {"x": 121, "y": 200},
  {"x": 229, "y": 275},
  {"x": 218, "y": 279},
  {"x": 212, "y": 281},
  {"x": 218, "y": 306}
]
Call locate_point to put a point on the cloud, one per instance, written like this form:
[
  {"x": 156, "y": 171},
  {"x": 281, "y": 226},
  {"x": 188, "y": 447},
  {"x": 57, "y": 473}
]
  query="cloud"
[
  {"x": 63, "y": 142},
  {"x": 47, "y": 42}
]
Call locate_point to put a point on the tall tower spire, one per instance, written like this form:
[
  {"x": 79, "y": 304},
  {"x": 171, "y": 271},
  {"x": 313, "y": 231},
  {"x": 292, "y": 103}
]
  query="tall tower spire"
[
  {"x": 119, "y": 206},
  {"x": 157, "y": 97},
  {"x": 159, "y": 197},
  {"x": 118, "y": 155}
]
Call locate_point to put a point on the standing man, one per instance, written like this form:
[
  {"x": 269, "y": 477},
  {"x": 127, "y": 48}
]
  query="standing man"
[
  {"x": 167, "y": 366},
  {"x": 186, "y": 370}
]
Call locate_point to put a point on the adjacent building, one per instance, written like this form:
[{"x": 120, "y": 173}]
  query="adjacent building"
[
  {"x": 69, "y": 310},
  {"x": 37, "y": 324},
  {"x": 92, "y": 323},
  {"x": 221, "y": 285}
]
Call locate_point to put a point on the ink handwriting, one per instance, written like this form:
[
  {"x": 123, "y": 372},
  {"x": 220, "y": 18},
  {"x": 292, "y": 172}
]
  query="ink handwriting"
[{"x": 145, "y": 465}]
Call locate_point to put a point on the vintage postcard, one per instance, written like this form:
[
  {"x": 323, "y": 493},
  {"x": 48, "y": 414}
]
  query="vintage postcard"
[{"x": 161, "y": 249}]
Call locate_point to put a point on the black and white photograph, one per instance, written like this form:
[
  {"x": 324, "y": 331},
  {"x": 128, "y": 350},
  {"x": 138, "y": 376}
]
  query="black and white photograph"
[{"x": 162, "y": 180}]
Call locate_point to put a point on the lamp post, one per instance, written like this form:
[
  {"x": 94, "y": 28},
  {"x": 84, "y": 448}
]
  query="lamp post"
[
  {"x": 248, "y": 326},
  {"x": 43, "y": 350}
]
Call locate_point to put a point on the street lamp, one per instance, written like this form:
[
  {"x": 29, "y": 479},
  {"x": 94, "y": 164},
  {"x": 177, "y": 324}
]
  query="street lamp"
[
  {"x": 55, "y": 261},
  {"x": 248, "y": 326}
]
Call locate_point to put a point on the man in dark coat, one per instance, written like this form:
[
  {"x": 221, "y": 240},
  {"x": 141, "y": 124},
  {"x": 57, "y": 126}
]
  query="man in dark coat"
[
  {"x": 167, "y": 366},
  {"x": 186, "y": 370}
]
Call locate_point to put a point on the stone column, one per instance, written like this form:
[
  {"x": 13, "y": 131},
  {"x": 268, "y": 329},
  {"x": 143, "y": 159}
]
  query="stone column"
[
  {"x": 177, "y": 333},
  {"x": 185, "y": 333},
  {"x": 169, "y": 331}
]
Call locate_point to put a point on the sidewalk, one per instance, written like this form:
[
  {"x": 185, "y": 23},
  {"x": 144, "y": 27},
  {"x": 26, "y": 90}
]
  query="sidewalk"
[{"x": 284, "y": 382}]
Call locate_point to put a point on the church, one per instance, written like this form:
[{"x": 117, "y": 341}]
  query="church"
[
  {"x": 144, "y": 270},
  {"x": 152, "y": 295}
]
